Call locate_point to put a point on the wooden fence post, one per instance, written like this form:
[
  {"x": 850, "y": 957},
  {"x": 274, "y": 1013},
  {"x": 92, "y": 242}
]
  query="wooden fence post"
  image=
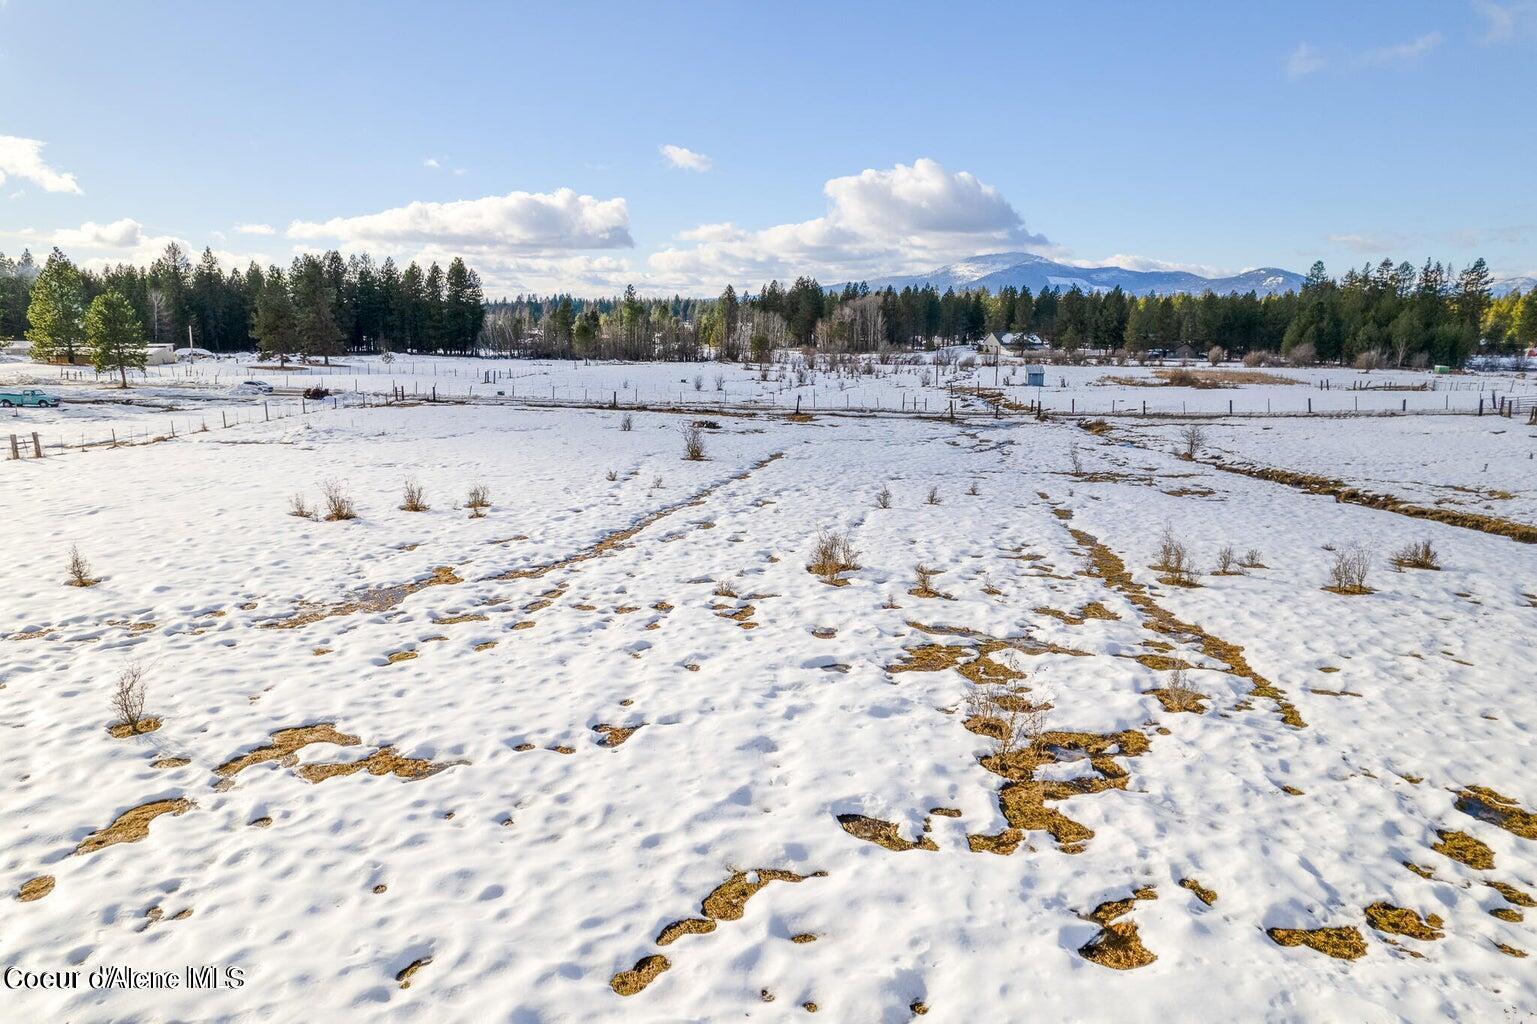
[
  {"x": 15, "y": 448},
  {"x": 37, "y": 446}
]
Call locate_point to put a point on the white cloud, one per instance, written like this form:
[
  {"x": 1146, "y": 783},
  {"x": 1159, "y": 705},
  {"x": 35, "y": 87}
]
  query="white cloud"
[
  {"x": 1132, "y": 262},
  {"x": 1304, "y": 60},
  {"x": 1504, "y": 21},
  {"x": 524, "y": 222},
  {"x": 126, "y": 233},
  {"x": 432, "y": 162},
  {"x": 877, "y": 222},
  {"x": 1401, "y": 53},
  {"x": 687, "y": 159},
  {"x": 256, "y": 229},
  {"x": 23, "y": 158},
  {"x": 1368, "y": 244}
]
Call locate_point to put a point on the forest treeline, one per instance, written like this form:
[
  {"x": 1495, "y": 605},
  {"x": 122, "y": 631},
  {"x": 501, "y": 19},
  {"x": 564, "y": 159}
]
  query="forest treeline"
[
  {"x": 325, "y": 304},
  {"x": 322, "y": 305}
]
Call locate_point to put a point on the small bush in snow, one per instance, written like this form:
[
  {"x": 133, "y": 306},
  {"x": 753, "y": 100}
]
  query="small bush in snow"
[
  {"x": 693, "y": 443},
  {"x": 478, "y": 500},
  {"x": 1192, "y": 438},
  {"x": 627, "y": 422},
  {"x": 1416, "y": 556},
  {"x": 699, "y": 382},
  {"x": 297, "y": 506},
  {"x": 79, "y": 569},
  {"x": 1227, "y": 561},
  {"x": 973, "y": 490},
  {"x": 128, "y": 698},
  {"x": 413, "y": 499},
  {"x": 834, "y": 553},
  {"x": 933, "y": 498},
  {"x": 612, "y": 475},
  {"x": 883, "y": 498},
  {"x": 1348, "y": 572},
  {"x": 1252, "y": 559},
  {"x": 338, "y": 505}
]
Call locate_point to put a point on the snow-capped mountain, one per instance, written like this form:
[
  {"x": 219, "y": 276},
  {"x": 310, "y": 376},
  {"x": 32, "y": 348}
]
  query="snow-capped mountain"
[
  {"x": 1513, "y": 284},
  {"x": 1021, "y": 269}
]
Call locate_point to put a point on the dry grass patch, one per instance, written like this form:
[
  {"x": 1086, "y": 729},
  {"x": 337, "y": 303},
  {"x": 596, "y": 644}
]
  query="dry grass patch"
[
  {"x": 882, "y": 833},
  {"x": 1501, "y": 811},
  {"x": 1179, "y": 696},
  {"x": 1205, "y": 895},
  {"x": 408, "y": 972},
  {"x": 35, "y": 888},
  {"x": 285, "y": 745},
  {"x": 1385, "y": 917},
  {"x": 1217, "y": 378},
  {"x": 925, "y": 585},
  {"x": 1118, "y": 946},
  {"x": 132, "y": 825},
  {"x": 1343, "y": 943},
  {"x": 384, "y": 761},
  {"x": 1464, "y": 849}
]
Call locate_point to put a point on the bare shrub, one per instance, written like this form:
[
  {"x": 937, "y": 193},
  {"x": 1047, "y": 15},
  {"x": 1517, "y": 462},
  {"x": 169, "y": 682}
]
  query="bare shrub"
[
  {"x": 973, "y": 490},
  {"x": 1227, "y": 561},
  {"x": 656, "y": 483},
  {"x": 933, "y": 498},
  {"x": 1303, "y": 355},
  {"x": 79, "y": 569},
  {"x": 627, "y": 422},
  {"x": 1014, "y": 723},
  {"x": 693, "y": 443},
  {"x": 883, "y": 497},
  {"x": 1175, "y": 561},
  {"x": 1215, "y": 355},
  {"x": 413, "y": 498},
  {"x": 1369, "y": 361},
  {"x": 478, "y": 500},
  {"x": 699, "y": 382},
  {"x": 1252, "y": 559},
  {"x": 612, "y": 475},
  {"x": 1193, "y": 438},
  {"x": 1416, "y": 556},
  {"x": 338, "y": 505},
  {"x": 297, "y": 506},
  {"x": 925, "y": 574},
  {"x": 1074, "y": 459},
  {"x": 128, "y": 698},
  {"x": 834, "y": 553},
  {"x": 1179, "y": 695},
  {"x": 724, "y": 589},
  {"x": 720, "y": 382},
  {"x": 1348, "y": 572}
]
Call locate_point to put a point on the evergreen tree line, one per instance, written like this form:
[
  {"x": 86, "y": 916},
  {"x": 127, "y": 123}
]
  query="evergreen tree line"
[
  {"x": 322, "y": 305},
  {"x": 1388, "y": 313}
]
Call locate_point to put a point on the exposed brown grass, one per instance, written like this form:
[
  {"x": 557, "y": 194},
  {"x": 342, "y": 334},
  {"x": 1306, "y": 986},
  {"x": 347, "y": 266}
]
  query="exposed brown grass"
[
  {"x": 882, "y": 833},
  {"x": 132, "y": 825},
  {"x": 1341, "y": 943},
  {"x": 1385, "y": 917}
]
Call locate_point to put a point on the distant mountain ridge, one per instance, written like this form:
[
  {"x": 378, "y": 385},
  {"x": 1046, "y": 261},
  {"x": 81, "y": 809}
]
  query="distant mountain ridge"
[
  {"x": 995, "y": 271},
  {"x": 1513, "y": 284}
]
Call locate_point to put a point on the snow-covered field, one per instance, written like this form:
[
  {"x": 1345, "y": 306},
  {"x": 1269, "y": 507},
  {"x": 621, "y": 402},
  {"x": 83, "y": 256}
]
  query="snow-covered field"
[{"x": 584, "y": 757}]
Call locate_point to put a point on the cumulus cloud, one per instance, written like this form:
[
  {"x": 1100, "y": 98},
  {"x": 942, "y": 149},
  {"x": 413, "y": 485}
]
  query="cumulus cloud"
[
  {"x": 1402, "y": 53},
  {"x": 687, "y": 159},
  {"x": 255, "y": 229},
  {"x": 23, "y": 158},
  {"x": 522, "y": 222},
  {"x": 877, "y": 222},
  {"x": 1304, "y": 60},
  {"x": 126, "y": 233}
]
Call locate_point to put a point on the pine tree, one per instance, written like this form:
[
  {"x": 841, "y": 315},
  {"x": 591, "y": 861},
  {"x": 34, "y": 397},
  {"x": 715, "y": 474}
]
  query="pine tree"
[
  {"x": 275, "y": 326},
  {"x": 56, "y": 311},
  {"x": 115, "y": 336}
]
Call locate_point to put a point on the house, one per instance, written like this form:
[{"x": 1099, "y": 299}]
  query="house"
[{"x": 993, "y": 345}]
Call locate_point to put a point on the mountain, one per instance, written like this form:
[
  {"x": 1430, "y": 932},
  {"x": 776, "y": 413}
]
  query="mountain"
[
  {"x": 1513, "y": 284},
  {"x": 1022, "y": 269}
]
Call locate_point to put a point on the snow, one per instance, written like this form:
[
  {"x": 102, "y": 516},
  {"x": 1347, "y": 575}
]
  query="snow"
[{"x": 556, "y": 871}]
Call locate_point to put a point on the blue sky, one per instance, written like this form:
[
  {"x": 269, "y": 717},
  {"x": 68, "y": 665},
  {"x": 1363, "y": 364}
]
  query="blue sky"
[{"x": 847, "y": 140}]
